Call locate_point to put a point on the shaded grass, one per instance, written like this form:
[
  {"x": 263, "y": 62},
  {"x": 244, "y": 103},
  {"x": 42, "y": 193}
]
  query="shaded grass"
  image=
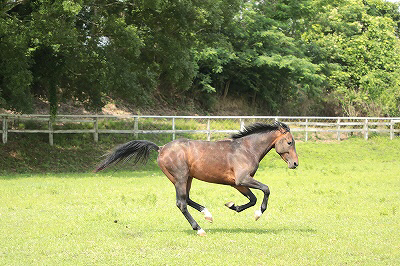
[
  {"x": 29, "y": 154},
  {"x": 341, "y": 206}
]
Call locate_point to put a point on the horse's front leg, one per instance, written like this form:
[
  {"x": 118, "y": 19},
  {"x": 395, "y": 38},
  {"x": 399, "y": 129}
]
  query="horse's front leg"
[
  {"x": 248, "y": 194},
  {"x": 250, "y": 182}
]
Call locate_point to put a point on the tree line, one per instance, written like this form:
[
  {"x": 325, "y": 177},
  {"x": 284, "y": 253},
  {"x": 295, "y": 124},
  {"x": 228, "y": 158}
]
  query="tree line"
[{"x": 304, "y": 57}]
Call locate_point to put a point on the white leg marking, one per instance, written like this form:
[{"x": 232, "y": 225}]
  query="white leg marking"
[
  {"x": 201, "y": 232},
  {"x": 229, "y": 204},
  {"x": 207, "y": 215},
  {"x": 257, "y": 214}
]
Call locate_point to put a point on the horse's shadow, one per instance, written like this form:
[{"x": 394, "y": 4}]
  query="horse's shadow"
[{"x": 258, "y": 231}]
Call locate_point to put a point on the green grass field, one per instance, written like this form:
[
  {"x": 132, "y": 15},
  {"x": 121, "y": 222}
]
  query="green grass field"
[{"x": 341, "y": 206}]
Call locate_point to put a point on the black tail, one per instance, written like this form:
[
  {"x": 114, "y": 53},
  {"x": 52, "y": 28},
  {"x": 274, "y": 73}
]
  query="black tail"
[{"x": 140, "y": 149}]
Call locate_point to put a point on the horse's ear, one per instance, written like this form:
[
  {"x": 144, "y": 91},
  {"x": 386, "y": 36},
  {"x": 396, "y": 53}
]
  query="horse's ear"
[{"x": 282, "y": 130}]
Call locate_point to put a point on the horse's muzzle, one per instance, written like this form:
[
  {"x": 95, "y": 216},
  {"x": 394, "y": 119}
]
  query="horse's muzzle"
[{"x": 293, "y": 165}]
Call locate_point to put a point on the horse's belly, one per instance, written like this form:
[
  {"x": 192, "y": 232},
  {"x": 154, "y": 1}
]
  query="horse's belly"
[{"x": 214, "y": 175}]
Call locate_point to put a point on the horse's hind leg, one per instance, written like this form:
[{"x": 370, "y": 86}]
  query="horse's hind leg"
[
  {"x": 248, "y": 194},
  {"x": 177, "y": 171},
  {"x": 195, "y": 205},
  {"x": 181, "y": 203}
]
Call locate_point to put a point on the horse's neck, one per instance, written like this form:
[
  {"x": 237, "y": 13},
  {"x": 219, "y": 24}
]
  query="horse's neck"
[{"x": 261, "y": 144}]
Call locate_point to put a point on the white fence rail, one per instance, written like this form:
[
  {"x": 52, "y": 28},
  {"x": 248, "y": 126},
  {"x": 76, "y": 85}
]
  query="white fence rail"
[{"x": 304, "y": 128}]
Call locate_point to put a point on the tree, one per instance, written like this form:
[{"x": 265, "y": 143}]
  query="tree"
[
  {"x": 359, "y": 49},
  {"x": 284, "y": 57},
  {"x": 260, "y": 57},
  {"x": 68, "y": 50},
  {"x": 15, "y": 77}
]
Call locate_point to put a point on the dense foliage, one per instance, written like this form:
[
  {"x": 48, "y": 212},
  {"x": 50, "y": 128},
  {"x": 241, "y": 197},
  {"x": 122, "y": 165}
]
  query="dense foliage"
[{"x": 315, "y": 57}]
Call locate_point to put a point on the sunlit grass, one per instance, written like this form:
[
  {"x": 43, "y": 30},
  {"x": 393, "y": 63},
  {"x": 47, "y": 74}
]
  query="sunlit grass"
[{"x": 341, "y": 206}]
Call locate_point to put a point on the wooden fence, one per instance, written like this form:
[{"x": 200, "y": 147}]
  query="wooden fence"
[{"x": 338, "y": 127}]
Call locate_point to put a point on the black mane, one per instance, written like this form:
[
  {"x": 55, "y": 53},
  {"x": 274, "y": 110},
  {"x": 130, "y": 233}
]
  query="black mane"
[{"x": 260, "y": 128}]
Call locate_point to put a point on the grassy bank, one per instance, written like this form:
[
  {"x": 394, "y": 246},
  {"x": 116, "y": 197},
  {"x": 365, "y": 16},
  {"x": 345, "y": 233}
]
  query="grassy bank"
[
  {"x": 70, "y": 154},
  {"x": 341, "y": 206}
]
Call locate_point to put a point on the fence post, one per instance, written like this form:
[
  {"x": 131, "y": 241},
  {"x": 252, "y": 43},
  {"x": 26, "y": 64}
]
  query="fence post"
[
  {"x": 208, "y": 129},
  {"x": 366, "y": 129},
  {"x": 338, "y": 129},
  {"x": 5, "y": 129},
  {"x": 96, "y": 130},
  {"x": 391, "y": 129},
  {"x": 173, "y": 128},
  {"x": 136, "y": 126},
  {"x": 51, "y": 141},
  {"x": 306, "y": 129},
  {"x": 241, "y": 124}
]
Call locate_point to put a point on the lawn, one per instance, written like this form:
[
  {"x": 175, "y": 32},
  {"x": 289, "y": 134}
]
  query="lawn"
[{"x": 341, "y": 206}]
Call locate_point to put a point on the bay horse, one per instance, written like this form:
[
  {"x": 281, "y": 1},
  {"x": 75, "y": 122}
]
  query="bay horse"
[{"x": 230, "y": 162}]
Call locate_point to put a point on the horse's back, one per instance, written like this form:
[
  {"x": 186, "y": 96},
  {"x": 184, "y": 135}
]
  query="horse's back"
[
  {"x": 193, "y": 150},
  {"x": 204, "y": 160}
]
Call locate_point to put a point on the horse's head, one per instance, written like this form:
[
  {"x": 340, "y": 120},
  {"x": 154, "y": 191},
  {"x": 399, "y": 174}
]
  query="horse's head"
[{"x": 285, "y": 147}]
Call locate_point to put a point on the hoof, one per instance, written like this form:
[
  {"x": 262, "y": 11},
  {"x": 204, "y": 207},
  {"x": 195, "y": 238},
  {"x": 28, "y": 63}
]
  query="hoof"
[
  {"x": 230, "y": 204},
  {"x": 257, "y": 214},
  {"x": 201, "y": 232},
  {"x": 207, "y": 215}
]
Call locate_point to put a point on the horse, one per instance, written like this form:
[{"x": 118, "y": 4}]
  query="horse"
[{"x": 232, "y": 162}]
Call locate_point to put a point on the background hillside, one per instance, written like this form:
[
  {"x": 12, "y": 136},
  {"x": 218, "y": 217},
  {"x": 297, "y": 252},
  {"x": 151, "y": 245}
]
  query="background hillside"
[{"x": 306, "y": 57}]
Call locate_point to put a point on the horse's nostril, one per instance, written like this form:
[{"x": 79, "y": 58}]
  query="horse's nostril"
[{"x": 296, "y": 164}]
